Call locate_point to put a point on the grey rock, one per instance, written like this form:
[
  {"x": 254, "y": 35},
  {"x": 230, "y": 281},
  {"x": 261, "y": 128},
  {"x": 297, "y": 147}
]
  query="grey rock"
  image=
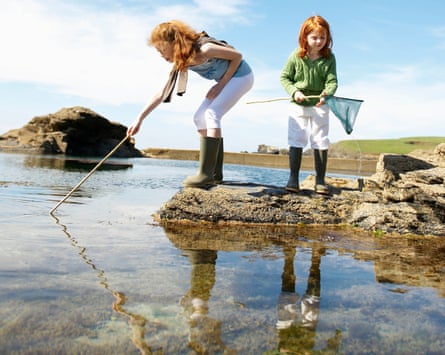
[{"x": 406, "y": 195}]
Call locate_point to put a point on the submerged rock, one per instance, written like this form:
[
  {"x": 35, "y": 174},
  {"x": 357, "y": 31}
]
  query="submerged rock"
[
  {"x": 406, "y": 195},
  {"x": 75, "y": 131}
]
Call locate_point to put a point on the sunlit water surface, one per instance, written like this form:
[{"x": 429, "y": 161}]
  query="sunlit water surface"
[{"x": 102, "y": 277}]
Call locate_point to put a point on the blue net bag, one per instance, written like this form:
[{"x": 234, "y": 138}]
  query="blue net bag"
[{"x": 346, "y": 110}]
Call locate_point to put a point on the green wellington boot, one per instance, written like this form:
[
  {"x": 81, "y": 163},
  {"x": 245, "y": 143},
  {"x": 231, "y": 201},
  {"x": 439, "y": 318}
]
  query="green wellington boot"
[
  {"x": 294, "y": 164},
  {"x": 207, "y": 160},
  {"x": 320, "y": 161},
  {"x": 218, "y": 175}
]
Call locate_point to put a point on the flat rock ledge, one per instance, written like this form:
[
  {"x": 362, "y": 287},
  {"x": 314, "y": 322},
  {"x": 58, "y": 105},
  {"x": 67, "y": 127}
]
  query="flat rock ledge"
[{"x": 406, "y": 195}]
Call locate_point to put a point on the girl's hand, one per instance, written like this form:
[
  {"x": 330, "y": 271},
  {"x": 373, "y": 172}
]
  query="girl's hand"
[
  {"x": 214, "y": 91},
  {"x": 299, "y": 96},
  {"x": 321, "y": 102},
  {"x": 134, "y": 128}
]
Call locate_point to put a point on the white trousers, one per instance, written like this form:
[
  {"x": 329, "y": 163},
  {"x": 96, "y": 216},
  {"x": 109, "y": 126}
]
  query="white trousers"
[
  {"x": 308, "y": 124},
  {"x": 210, "y": 112}
]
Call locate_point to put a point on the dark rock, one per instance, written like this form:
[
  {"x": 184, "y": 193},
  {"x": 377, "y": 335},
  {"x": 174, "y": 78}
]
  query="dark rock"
[
  {"x": 75, "y": 131},
  {"x": 396, "y": 164},
  {"x": 267, "y": 149}
]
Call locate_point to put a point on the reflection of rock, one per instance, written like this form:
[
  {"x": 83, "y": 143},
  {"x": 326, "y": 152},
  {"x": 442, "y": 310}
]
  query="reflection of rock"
[
  {"x": 196, "y": 237},
  {"x": 414, "y": 261},
  {"x": 65, "y": 163},
  {"x": 405, "y": 196},
  {"x": 259, "y": 237},
  {"x": 411, "y": 262},
  {"x": 72, "y": 131}
]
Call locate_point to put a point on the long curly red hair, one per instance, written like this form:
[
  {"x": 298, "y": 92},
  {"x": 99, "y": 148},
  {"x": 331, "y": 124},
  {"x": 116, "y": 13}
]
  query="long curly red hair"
[
  {"x": 318, "y": 24},
  {"x": 183, "y": 38}
]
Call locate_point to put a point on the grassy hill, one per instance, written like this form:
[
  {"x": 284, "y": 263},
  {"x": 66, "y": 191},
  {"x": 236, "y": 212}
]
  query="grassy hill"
[{"x": 371, "y": 147}]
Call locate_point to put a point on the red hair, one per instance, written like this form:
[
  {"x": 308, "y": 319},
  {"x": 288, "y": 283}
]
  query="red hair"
[
  {"x": 316, "y": 24},
  {"x": 183, "y": 38}
]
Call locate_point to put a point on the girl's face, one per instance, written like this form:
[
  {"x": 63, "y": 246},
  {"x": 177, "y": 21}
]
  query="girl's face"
[
  {"x": 316, "y": 40},
  {"x": 166, "y": 50}
]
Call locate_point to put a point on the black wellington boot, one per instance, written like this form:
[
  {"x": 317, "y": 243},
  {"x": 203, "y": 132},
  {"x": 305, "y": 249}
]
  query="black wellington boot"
[
  {"x": 320, "y": 161},
  {"x": 218, "y": 175},
  {"x": 294, "y": 164}
]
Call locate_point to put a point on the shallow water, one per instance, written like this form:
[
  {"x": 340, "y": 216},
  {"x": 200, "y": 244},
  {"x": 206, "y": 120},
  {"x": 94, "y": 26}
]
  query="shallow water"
[{"x": 102, "y": 277}]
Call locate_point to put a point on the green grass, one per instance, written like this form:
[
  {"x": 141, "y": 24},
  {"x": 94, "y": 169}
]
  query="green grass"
[{"x": 396, "y": 146}]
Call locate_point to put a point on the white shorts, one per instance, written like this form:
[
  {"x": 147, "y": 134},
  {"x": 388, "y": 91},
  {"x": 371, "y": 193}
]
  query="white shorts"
[
  {"x": 308, "y": 123},
  {"x": 210, "y": 113}
]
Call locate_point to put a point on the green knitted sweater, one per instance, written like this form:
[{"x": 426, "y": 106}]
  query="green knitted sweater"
[{"x": 309, "y": 77}]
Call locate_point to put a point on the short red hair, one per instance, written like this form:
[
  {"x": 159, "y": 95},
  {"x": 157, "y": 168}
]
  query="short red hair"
[{"x": 317, "y": 24}]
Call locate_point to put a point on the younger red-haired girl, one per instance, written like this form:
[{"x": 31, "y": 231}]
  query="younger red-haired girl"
[{"x": 310, "y": 71}]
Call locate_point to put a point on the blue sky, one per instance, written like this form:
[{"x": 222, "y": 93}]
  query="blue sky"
[{"x": 93, "y": 53}]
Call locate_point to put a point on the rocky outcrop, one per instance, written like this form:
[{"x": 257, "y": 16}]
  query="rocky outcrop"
[
  {"x": 406, "y": 195},
  {"x": 75, "y": 131}
]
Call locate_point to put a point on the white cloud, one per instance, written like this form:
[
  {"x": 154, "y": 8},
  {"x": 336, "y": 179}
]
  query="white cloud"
[
  {"x": 74, "y": 50},
  {"x": 101, "y": 55},
  {"x": 398, "y": 104}
]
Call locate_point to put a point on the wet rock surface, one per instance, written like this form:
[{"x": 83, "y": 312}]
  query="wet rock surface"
[
  {"x": 406, "y": 195},
  {"x": 75, "y": 131}
]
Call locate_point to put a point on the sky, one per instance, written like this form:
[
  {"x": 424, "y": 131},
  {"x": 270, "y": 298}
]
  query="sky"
[{"x": 93, "y": 53}]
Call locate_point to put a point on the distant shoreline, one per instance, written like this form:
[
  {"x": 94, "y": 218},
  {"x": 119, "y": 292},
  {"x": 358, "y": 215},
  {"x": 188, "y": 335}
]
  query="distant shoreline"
[{"x": 335, "y": 165}]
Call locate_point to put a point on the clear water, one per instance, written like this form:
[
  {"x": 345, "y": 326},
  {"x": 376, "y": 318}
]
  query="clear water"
[{"x": 102, "y": 277}]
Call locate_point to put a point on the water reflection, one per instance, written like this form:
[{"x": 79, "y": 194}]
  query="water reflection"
[
  {"x": 297, "y": 315},
  {"x": 411, "y": 261},
  {"x": 205, "y": 331},
  {"x": 136, "y": 321},
  {"x": 73, "y": 163},
  {"x": 297, "y": 318},
  {"x": 415, "y": 262},
  {"x": 400, "y": 260}
]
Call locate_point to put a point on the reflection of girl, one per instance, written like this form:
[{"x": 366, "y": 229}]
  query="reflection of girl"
[
  {"x": 214, "y": 60},
  {"x": 299, "y": 336},
  {"x": 205, "y": 332},
  {"x": 310, "y": 71}
]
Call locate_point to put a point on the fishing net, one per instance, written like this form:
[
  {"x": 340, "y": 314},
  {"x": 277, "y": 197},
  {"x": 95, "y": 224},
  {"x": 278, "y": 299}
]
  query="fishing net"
[{"x": 346, "y": 110}]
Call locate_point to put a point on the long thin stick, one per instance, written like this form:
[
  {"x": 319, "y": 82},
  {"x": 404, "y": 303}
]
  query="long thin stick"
[
  {"x": 281, "y": 99},
  {"x": 89, "y": 174},
  {"x": 268, "y": 100}
]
